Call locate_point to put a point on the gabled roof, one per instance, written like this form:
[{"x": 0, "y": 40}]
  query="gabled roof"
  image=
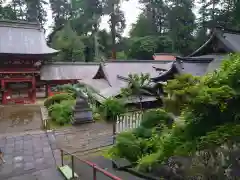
[
  {"x": 68, "y": 71},
  {"x": 23, "y": 38},
  {"x": 114, "y": 69},
  {"x": 229, "y": 38},
  {"x": 114, "y": 74}
]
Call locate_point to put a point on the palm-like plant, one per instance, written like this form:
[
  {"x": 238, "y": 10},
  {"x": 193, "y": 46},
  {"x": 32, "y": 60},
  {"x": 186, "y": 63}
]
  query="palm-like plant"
[
  {"x": 80, "y": 90},
  {"x": 137, "y": 85}
]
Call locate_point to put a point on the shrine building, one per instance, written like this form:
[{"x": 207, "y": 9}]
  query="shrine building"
[{"x": 23, "y": 49}]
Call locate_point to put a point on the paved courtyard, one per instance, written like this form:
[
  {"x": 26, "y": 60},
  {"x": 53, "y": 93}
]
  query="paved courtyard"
[
  {"x": 33, "y": 154},
  {"x": 29, "y": 157},
  {"x": 19, "y": 118},
  {"x": 84, "y": 137}
]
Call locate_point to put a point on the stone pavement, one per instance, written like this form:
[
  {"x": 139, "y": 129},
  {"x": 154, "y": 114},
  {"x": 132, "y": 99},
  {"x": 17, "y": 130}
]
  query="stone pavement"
[
  {"x": 29, "y": 157},
  {"x": 85, "y": 137}
]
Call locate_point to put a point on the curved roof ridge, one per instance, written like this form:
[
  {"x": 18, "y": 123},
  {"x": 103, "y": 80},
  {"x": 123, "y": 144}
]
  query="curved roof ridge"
[{"x": 201, "y": 47}]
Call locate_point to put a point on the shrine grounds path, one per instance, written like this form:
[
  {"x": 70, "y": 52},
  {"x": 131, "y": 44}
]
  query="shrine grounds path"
[{"x": 33, "y": 154}]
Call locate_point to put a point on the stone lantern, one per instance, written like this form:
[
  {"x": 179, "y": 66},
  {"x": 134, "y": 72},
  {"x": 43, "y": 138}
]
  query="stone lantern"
[{"x": 82, "y": 112}]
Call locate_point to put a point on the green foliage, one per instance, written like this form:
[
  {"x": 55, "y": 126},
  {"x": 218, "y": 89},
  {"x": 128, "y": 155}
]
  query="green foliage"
[
  {"x": 70, "y": 89},
  {"x": 111, "y": 108},
  {"x": 69, "y": 43},
  {"x": 121, "y": 55},
  {"x": 130, "y": 146},
  {"x": 144, "y": 47},
  {"x": 179, "y": 92},
  {"x": 61, "y": 112},
  {"x": 137, "y": 86},
  {"x": 143, "y": 140},
  {"x": 57, "y": 98},
  {"x": 80, "y": 89},
  {"x": 156, "y": 118},
  {"x": 226, "y": 133},
  {"x": 209, "y": 118},
  {"x": 215, "y": 103}
]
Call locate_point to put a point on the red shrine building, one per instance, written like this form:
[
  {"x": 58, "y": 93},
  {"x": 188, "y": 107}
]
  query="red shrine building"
[{"x": 23, "y": 49}]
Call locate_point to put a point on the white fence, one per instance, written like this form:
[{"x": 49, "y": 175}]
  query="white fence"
[{"x": 128, "y": 121}]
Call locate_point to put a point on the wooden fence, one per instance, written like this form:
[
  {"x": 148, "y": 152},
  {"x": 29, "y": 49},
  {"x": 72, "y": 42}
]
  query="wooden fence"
[{"x": 128, "y": 121}]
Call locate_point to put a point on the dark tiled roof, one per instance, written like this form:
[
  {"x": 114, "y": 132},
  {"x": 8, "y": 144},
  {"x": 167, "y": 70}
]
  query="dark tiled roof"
[
  {"x": 196, "y": 69},
  {"x": 124, "y": 68},
  {"x": 217, "y": 61},
  {"x": 200, "y": 65},
  {"x": 230, "y": 39},
  {"x": 67, "y": 71},
  {"x": 110, "y": 84},
  {"x": 234, "y": 40},
  {"x": 22, "y": 38},
  {"x": 97, "y": 84}
]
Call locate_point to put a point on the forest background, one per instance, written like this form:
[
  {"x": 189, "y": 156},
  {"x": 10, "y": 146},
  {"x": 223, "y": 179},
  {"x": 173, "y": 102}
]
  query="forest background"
[{"x": 163, "y": 26}]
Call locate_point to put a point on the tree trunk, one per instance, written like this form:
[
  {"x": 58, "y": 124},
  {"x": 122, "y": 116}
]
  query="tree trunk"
[{"x": 113, "y": 31}]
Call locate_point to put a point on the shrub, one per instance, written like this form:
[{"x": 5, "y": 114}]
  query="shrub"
[
  {"x": 142, "y": 132},
  {"x": 62, "y": 112},
  {"x": 111, "y": 108},
  {"x": 57, "y": 98},
  {"x": 128, "y": 146},
  {"x": 156, "y": 118},
  {"x": 179, "y": 91},
  {"x": 132, "y": 147},
  {"x": 96, "y": 116}
]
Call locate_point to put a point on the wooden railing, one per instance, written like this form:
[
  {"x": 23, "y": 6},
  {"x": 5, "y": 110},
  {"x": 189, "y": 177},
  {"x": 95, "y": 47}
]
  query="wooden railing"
[
  {"x": 129, "y": 120},
  {"x": 95, "y": 167}
]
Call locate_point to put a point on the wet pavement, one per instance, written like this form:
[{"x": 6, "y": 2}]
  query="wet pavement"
[
  {"x": 19, "y": 118},
  {"x": 29, "y": 157},
  {"x": 85, "y": 137}
]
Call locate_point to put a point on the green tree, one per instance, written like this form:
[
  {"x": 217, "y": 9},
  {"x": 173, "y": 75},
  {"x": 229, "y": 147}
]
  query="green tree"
[
  {"x": 145, "y": 47},
  {"x": 142, "y": 23},
  {"x": 36, "y": 10},
  {"x": 181, "y": 24},
  {"x": 69, "y": 43},
  {"x": 179, "y": 92}
]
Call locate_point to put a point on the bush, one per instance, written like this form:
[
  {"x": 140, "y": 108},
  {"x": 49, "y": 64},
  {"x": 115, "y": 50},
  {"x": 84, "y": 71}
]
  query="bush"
[
  {"x": 111, "y": 108},
  {"x": 96, "y": 116},
  {"x": 61, "y": 113},
  {"x": 156, "y": 118},
  {"x": 131, "y": 147},
  {"x": 57, "y": 98},
  {"x": 179, "y": 92}
]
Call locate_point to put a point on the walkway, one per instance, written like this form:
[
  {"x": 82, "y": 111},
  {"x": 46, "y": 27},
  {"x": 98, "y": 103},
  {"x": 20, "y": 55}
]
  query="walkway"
[
  {"x": 28, "y": 157},
  {"x": 85, "y": 137},
  {"x": 19, "y": 118}
]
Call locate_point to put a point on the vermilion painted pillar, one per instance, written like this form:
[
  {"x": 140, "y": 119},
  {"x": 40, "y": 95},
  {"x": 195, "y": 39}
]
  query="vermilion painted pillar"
[
  {"x": 4, "y": 94},
  {"x": 49, "y": 90},
  {"x": 33, "y": 98}
]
